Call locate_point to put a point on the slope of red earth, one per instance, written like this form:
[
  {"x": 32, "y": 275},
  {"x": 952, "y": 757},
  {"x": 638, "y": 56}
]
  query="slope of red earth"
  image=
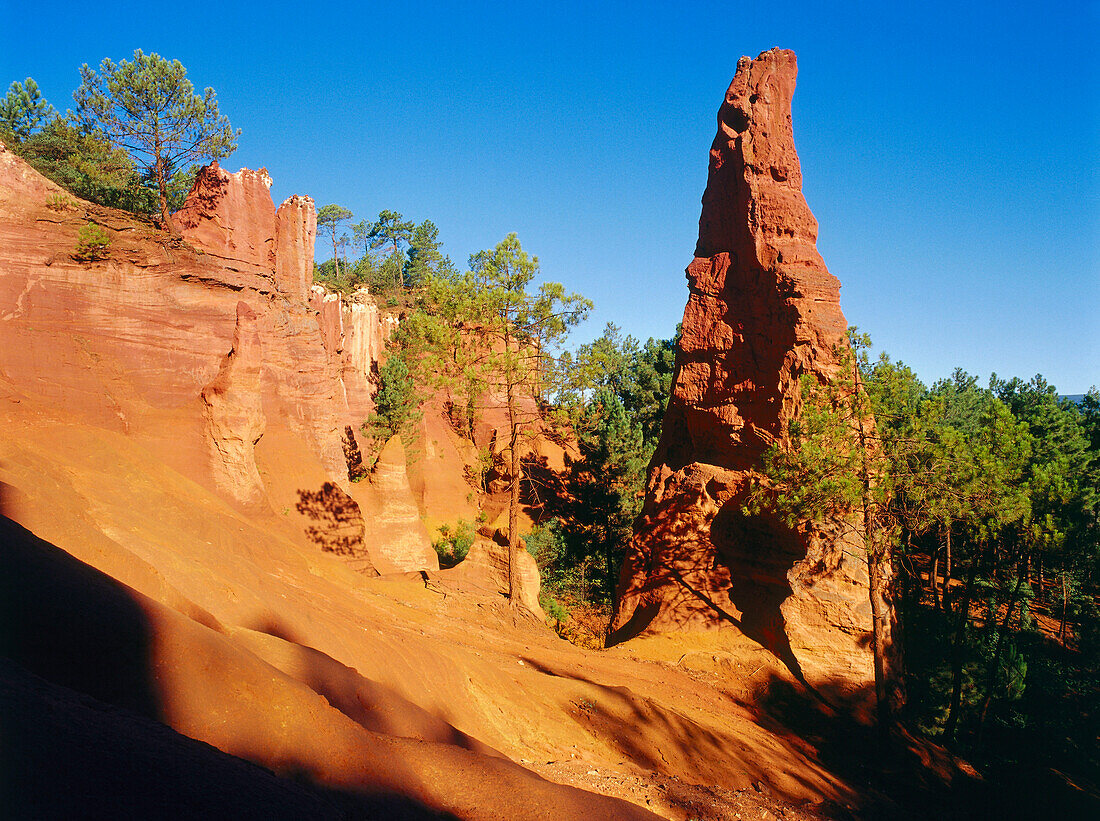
[{"x": 176, "y": 643}]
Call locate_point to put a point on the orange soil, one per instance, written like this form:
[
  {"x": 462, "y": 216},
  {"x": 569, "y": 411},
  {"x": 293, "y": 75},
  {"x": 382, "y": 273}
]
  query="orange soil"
[{"x": 270, "y": 650}]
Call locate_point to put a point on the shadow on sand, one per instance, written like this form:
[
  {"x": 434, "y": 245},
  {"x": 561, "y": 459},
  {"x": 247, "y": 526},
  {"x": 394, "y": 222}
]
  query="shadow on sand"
[{"x": 80, "y": 715}]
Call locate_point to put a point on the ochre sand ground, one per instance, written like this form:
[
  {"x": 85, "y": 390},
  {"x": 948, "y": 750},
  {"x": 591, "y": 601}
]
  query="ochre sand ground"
[{"x": 234, "y": 630}]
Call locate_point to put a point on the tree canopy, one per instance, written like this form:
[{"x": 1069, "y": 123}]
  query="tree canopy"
[
  {"x": 23, "y": 110},
  {"x": 330, "y": 218},
  {"x": 150, "y": 109}
]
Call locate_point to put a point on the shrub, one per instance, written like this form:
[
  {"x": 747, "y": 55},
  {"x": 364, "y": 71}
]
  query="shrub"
[
  {"x": 553, "y": 608},
  {"x": 92, "y": 243},
  {"x": 453, "y": 545},
  {"x": 60, "y": 202}
]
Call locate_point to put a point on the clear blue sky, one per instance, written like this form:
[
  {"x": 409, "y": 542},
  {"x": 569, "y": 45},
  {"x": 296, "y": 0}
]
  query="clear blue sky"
[{"x": 951, "y": 152}]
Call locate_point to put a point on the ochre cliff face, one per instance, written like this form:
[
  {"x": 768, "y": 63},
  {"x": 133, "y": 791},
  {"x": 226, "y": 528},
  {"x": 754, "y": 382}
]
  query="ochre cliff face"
[
  {"x": 355, "y": 333},
  {"x": 208, "y": 351},
  {"x": 763, "y": 310}
]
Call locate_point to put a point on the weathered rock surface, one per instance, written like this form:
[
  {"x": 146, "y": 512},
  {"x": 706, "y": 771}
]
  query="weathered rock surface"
[
  {"x": 234, "y": 414},
  {"x": 763, "y": 310},
  {"x": 231, "y": 216},
  {"x": 196, "y": 349},
  {"x": 395, "y": 537},
  {"x": 354, "y": 332},
  {"x": 295, "y": 232},
  {"x": 485, "y": 569}
]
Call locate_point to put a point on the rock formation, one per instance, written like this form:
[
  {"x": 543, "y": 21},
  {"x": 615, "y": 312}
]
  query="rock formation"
[
  {"x": 197, "y": 349},
  {"x": 485, "y": 570},
  {"x": 355, "y": 332},
  {"x": 295, "y": 232},
  {"x": 231, "y": 216},
  {"x": 234, "y": 415},
  {"x": 395, "y": 537},
  {"x": 762, "y": 310}
]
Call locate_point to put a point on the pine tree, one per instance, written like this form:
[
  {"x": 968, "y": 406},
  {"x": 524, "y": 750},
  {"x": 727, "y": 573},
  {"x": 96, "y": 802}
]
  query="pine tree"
[
  {"x": 484, "y": 332},
  {"x": 24, "y": 111},
  {"x": 330, "y": 218},
  {"x": 149, "y": 108}
]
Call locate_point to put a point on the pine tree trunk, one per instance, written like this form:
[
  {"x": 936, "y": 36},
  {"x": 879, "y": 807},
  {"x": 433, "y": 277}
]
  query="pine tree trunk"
[
  {"x": 880, "y": 618},
  {"x": 962, "y": 618},
  {"x": 888, "y": 687},
  {"x": 515, "y": 583},
  {"x": 936, "y": 577},
  {"x": 514, "y": 580},
  {"x": 1065, "y": 609},
  {"x": 947, "y": 560},
  {"x": 162, "y": 191},
  {"x": 995, "y": 663}
]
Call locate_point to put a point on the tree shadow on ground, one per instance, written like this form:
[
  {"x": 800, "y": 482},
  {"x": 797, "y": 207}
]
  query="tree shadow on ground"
[
  {"x": 657, "y": 737},
  {"x": 815, "y": 743},
  {"x": 912, "y": 778}
]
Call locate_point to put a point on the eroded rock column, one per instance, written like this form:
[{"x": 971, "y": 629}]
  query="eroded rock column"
[{"x": 763, "y": 310}]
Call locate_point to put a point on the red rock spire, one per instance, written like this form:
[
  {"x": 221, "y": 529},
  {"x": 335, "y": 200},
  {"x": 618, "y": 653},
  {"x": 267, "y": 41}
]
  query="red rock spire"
[{"x": 762, "y": 310}]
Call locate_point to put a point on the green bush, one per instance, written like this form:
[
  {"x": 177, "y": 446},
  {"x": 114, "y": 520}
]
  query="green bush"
[
  {"x": 453, "y": 544},
  {"x": 92, "y": 243},
  {"x": 552, "y": 607},
  {"x": 60, "y": 202}
]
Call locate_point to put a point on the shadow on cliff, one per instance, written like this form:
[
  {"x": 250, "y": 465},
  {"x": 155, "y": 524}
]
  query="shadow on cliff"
[
  {"x": 80, "y": 711},
  {"x": 757, "y": 552},
  {"x": 207, "y": 193},
  {"x": 338, "y": 521},
  {"x": 735, "y": 571}
]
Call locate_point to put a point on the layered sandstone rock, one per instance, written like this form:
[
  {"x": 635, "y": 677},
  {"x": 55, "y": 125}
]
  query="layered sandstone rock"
[
  {"x": 234, "y": 414},
  {"x": 194, "y": 349},
  {"x": 295, "y": 233},
  {"x": 763, "y": 310},
  {"x": 355, "y": 332},
  {"x": 231, "y": 215}
]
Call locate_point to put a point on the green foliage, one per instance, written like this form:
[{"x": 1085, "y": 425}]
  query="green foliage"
[
  {"x": 149, "y": 108},
  {"x": 453, "y": 543},
  {"x": 384, "y": 266},
  {"x": 424, "y": 258},
  {"x": 396, "y": 400},
  {"x": 552, "y": 607},
  {"x": 60, "y": 202},
  {"x": 988, "y": 499},
  {"x": 604, "y": 489},
  {"x": 86, "y": 165},
  {"x": 546, "y": 544},
  {"x": 615, "y": 400},
  {"x": 92, "y": 243},
  {"x": 23, "y": 111},
  {"x": 330, "y": 218},
  {"x": 390, "y": 229}
]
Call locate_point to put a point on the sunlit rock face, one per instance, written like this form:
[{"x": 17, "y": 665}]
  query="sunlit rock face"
[
  {"x": 762, "y": 310},
  {"x": 217, "y": 352}
]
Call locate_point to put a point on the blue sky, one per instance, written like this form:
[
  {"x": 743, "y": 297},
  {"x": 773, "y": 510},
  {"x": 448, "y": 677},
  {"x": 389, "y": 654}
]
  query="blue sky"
[{"x": 950, "y": 152}]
